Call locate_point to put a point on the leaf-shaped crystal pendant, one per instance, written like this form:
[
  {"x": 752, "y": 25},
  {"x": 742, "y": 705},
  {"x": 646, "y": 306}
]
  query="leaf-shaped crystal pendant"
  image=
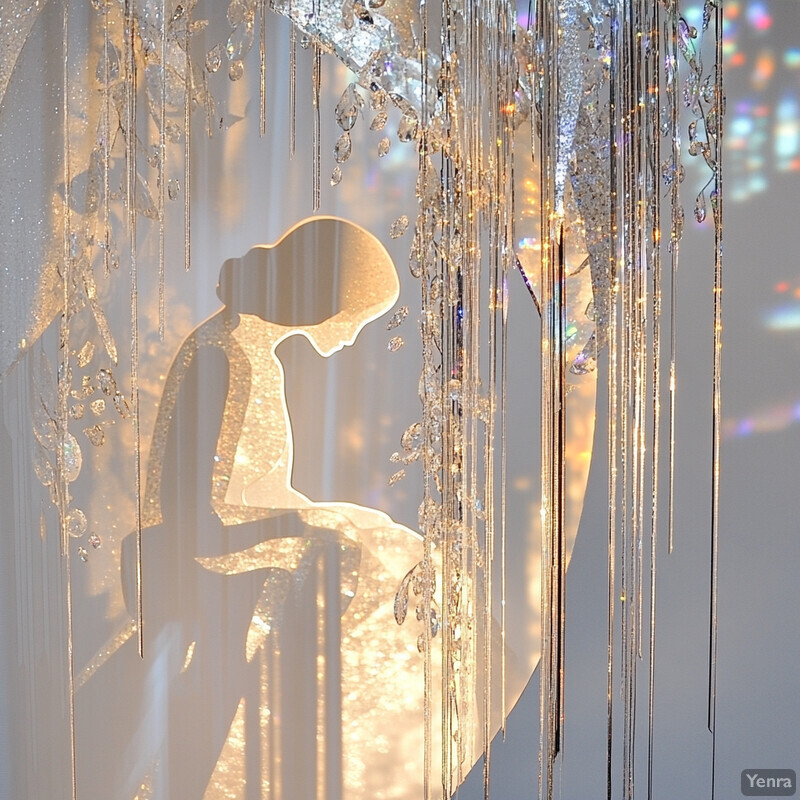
[
  {"x": 240, "y": 41},
  {"x": 85, "y": 354},
  {"x": 397, "y": 318},
  {"x": 347, "y": 107},
  {"x": 398, "y": 476},
  {"x": 401, "y": 598},
  {"x": 412, "y": 437},
  {"x": 379, "y": 121},
  {"x": 407, "y": 129},
  {"x": 383, "y": 146},
  {"x": 214, "y": 58},
  {"x": 239, "y": 11},
  {"x": 343, "y": 148},
  {"x": 399, "y": 227},
  {"x": 72, "y": 457},
  {"x": 336, "y": 176},
  {"x": 105, "y": 379}
]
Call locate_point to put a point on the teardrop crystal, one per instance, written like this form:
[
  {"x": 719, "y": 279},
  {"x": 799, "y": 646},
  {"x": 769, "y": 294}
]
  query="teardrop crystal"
[
  {"x": 700, "y": 207},
  {"x": 347, "y": 107},
  {"x": 343, "y": 148},
  {"x": 214, "y": 58},
  {"x": 240, "y": 41},
  {"x": 379, "y": 122},
  {"x": 407, "y": 129}
]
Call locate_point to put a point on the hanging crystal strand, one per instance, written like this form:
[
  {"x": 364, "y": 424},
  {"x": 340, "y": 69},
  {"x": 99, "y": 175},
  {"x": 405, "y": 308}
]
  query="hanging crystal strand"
[
  {"x": 187, "y": 143},
  {"x": 465, "y": 253},
  {"x": 627, "y": 421},
  {"x": 493, "y": 49},
  {"x": 452, "y": 574},
  {"x": 544, "y": 39},
  {"x": 130, "y": 193},
  {"x": 503, "y": 475},
  {"x": 316, "y": 78},
  {"x": 63, "y": 382},
  {"x": 316, "y": 69},
  {"x": 429, "y": 465},
  {"x": 106, "y": 144},
  {"x": 676, "y": 226},
  {"x": 508, "y": 263},
  {"x": 456, "y": 243},
  {"x": 500, "y": 51},
  {"x": 262, "y": 54},
  {"x": 613, "y": 384},
  {"x": 716, "y": 205},
  {"x": 553, "y": 399},
  {"x": 643, "y": 199},
  {"x": 63, "y": 409},
  {"x": 654, "y": 121},
  {"x": 462, "y": 253},
  {"x": 560, "y": 550},
  {"x": 292, "y": 86},
  {"x": 642, "y": 154},
  {"x": 162, "y": 169}
]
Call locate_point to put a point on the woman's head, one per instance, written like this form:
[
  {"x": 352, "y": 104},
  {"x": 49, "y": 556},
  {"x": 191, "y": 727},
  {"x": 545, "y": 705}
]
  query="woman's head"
[{"x": 326, "y": 277}]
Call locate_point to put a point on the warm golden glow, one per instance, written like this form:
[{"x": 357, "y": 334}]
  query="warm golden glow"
[{"x": 368, "y": 673}]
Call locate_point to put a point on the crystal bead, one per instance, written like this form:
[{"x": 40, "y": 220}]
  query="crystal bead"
[
  {"x": 214, "y": 59},
  {"x": 85, "y": 354},
  {"x": 236, "y": 70},
  {"x": 700, "y": 207},
  {"x": 407, "y": 129},
  {"x": 239, "y": 12},
  {"x": 121, "y": 405},
  {"x": 105, "y": 379},
  {"x": 95, "y": 435},
  {"x": 399, "y": 227},
  {"x": 397, "y": 318},
  {"x": 76, "y": 523}
]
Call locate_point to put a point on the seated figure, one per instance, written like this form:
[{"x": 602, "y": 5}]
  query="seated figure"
[{"x": 272, "y": 658}]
